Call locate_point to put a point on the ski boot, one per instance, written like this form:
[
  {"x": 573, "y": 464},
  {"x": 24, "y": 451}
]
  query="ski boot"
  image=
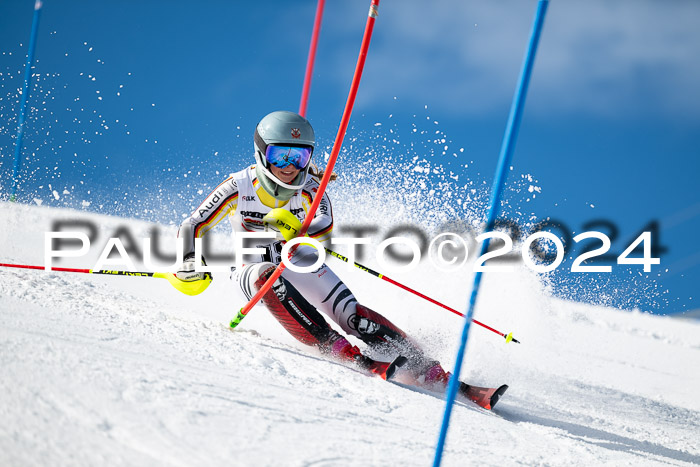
[{"x": 342, "y": 350}]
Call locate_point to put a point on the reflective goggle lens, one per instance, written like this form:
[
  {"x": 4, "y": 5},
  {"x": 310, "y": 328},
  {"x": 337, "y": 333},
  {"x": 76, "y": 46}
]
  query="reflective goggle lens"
[{"x": 282, "y": 156}]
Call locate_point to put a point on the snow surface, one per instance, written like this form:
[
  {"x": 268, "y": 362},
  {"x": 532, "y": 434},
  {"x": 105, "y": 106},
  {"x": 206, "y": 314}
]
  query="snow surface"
[{"x": 127, "y": 371}]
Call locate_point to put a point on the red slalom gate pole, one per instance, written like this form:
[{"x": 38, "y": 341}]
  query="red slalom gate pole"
[
  {"x": 372, "y": 16},
  {"x": 312, "y": 58}
]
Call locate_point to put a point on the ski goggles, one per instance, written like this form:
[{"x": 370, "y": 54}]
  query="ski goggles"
[{"x": 282, "y": 156}]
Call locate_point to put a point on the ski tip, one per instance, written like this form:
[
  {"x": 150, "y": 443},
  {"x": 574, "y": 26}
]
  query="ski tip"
[{"x": 497, "y": 395}]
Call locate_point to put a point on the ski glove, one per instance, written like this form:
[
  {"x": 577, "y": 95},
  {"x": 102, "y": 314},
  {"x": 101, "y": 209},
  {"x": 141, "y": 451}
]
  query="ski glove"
[
  {"x": 186, "y": 273},
  {"x": 283, "y": 222}
]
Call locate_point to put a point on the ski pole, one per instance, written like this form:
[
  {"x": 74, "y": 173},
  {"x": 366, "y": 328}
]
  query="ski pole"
[
  {"x": 508, "y": 337},
  {"x": 312, "y": 58},
  {"x": 188, "y": 288},
  {"x": 344, "y": 121}
]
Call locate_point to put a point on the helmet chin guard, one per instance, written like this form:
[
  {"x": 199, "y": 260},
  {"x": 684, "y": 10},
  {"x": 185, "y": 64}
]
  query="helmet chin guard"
[
  {"x": 274, "y": 186},
  {"x": 286, "y": 129}
]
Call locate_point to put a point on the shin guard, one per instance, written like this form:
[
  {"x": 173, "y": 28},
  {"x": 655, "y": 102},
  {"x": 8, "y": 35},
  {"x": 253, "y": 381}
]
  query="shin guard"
[
  {"x": 383, "y": 335},
  {"x": 294, "y": 313}
]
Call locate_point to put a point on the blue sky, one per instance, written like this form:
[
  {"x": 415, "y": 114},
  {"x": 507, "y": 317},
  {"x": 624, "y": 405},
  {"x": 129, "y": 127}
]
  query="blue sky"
[{"x": 130, "y": 96}]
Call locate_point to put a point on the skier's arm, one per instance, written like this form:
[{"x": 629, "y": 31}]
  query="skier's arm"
[
  {"x": 322, "y": 224},
  {"x": 220, "y": 203}
]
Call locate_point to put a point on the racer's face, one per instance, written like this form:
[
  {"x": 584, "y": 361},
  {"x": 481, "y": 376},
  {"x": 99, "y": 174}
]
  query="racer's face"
[{"x": 287, "y": 175}]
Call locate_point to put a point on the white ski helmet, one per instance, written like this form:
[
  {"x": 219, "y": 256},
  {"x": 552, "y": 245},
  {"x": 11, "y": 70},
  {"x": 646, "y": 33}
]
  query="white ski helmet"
[{"x": 281, "y": 128}]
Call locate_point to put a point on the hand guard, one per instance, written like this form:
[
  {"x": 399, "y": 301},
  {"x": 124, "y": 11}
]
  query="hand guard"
[
  {"x": 186, "y": 273},
  {"x": 284, "y": 222}
]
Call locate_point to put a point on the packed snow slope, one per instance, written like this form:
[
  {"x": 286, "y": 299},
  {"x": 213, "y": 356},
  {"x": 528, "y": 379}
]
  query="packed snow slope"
[{"x": 101, "y": 370}]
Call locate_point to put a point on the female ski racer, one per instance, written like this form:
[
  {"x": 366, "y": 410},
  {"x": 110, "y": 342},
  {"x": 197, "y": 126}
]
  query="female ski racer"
[{"x": 276, "y": 193}]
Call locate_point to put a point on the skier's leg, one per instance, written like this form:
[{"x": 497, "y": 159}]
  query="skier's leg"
[
  {"x": 295, "y": 313},
  {"x": 329, "y": 294},
  {"x": 380, "y": 333},
  {"x": 287, "y": 305}
]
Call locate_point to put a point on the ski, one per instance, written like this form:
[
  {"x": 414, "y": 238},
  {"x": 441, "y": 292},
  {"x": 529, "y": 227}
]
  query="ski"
[{"x": 484, "y": 397}]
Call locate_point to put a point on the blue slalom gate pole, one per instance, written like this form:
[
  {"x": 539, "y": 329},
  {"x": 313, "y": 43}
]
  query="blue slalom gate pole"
[
  {"x": 506, "y": 154},
  {"x": 25, "y": 97}
]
